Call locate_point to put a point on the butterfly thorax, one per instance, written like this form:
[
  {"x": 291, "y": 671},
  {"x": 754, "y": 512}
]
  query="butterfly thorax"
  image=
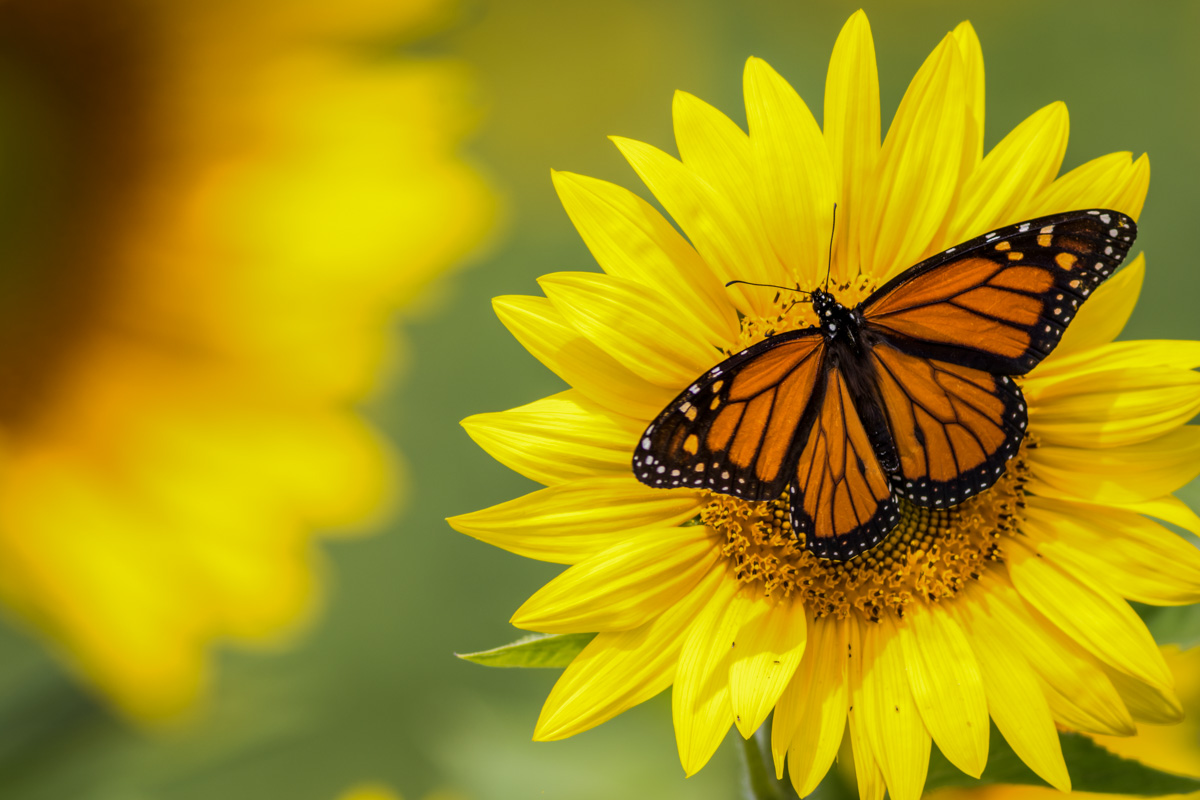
[{"x": 837, "y": 323}]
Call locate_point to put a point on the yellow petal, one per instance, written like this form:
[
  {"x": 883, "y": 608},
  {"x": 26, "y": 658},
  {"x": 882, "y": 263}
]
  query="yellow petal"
[
  {"x": 1024, "y": 163},
  {"x": 919, "y": 166},
  {"x": 973, "y": 84},
  {"x": 711, "y": 221},
  {"x": 768, "y": 650},
  {"x": 972, "y": 151},
  {"x": 794, "y": 174},
  {"x": 1169, "y": 509},
  {"x": 631, "y": 240},
  {"x": 1079, "y": 693},
  {"x": 946, "y": 685},
  {"x": 867, "y": 772},
  {"x": 1096, "y": 618},
  {"x": 852, "y": 137},
  {"x": 623, "y": 587},
  {"x": 568, "y": 523},
  {"x": 1127, "y": 474},
  {"x": 629, "y": 321},
  {"x": 899, "y": 738},
  {"x": 618, "y": 670},
  {"x": 700, "y": 706},
  {"x": 1122, "y": 355},
  {"x": 558, "y": 439},
  {"x": 1113, "y": 408},
  {"x": 1105, "y": 313},
  {"x": 1131, "y": 197},
  {"x": 713, "y": 147},
  {"x": 1110, "y": 181},
  {"x": 719, "y": 154},
  {"x": 1133, "y": 556},
  {"x": 810, "y": 718},
  {"x": 1157, "y": 705},
  {"x": 1015, "y": 699},
  {"x": 545, "y": 333}
]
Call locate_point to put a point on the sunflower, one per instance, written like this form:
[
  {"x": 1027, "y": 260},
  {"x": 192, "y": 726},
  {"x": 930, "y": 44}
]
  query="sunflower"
[
  {"x": 214, "y": 211},
  {"x": 1011, "y": 605}
]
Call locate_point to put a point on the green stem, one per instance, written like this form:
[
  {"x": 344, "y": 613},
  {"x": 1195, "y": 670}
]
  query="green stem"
[{"x": 760, "y": 782}]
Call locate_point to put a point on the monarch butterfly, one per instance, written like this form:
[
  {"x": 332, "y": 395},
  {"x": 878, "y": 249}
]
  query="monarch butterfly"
[{"x": 909, "y": 394}]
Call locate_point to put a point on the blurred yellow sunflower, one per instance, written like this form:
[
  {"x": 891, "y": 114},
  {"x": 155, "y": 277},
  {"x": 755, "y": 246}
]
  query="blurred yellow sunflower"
[
  {"x": 212, "y": 212},
  {"x": 379, "y": 791},
  {"x": 1011, "y": 605}
]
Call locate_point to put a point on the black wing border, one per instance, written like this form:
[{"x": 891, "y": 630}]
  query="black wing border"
[
  {"x": 648, "y": 454},
  {"x": 1117, "y": 235}
]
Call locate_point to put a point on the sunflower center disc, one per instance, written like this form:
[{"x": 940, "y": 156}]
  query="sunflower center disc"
[{"x": 931, "y": 553}]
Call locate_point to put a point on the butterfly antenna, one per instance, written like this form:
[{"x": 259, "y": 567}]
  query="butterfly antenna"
[
  {"x": 768, "y": 286},
  {"x": 829, "y": 258}
]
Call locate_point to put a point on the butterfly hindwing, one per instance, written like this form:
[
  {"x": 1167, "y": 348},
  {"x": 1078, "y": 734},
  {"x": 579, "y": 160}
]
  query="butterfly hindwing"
[
  {"x": 841, "y": 499},
  {"x": 954, "y": 427},
  {"x": 1001, "y": 302},
  {"x": 737, "y": 427}
]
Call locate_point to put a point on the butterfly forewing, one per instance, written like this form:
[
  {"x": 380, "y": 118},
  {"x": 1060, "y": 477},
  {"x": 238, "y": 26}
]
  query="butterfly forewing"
[
  {"x": 954, "y": 427},
  {"x": 841, "y": 500},
  {"x": 911, "y": 394},
  {"x": 738, "y": 426},
  {"x": 1001, "y": 302}
]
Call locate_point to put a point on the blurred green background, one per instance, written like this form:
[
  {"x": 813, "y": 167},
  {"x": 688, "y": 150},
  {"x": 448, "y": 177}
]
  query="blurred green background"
[{"x": 373, "y": 691}]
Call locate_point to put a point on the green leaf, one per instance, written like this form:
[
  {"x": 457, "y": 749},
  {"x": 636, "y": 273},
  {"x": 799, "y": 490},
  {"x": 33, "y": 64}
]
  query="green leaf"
[
  {"x": 1092, "y": 768},
  {"x": 535, "y": 650},
  {"x": 1172, "y": 624}
]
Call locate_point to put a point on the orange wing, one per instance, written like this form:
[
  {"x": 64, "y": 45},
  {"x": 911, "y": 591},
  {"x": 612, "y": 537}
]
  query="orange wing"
[
  {"x": 737, "y": 429},
  {"x": 954, "y": 427},
  {"x": 1001, "y": 302},
  {"x": 841, "y": 499}
]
